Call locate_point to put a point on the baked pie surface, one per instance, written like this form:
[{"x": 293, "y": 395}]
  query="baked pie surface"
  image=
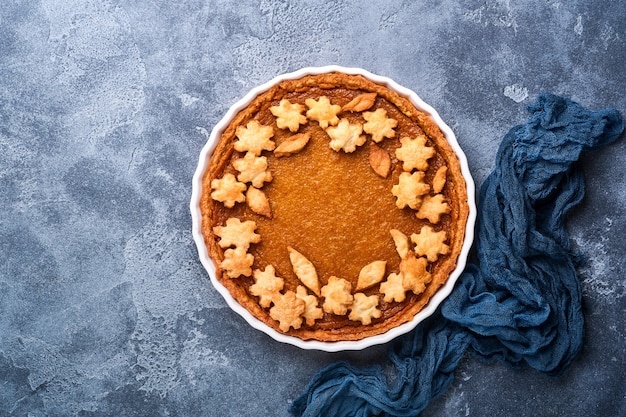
[{"x": 333, "y": 208}]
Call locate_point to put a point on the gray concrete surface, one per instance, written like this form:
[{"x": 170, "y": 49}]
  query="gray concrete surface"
[{"x": 105, "y": 309}]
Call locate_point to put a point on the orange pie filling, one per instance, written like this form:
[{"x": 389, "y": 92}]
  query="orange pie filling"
[{"x": 333, "y": 208}]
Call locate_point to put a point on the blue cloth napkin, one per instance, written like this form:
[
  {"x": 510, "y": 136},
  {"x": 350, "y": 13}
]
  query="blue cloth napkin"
[{"x": 519, "y": 302}]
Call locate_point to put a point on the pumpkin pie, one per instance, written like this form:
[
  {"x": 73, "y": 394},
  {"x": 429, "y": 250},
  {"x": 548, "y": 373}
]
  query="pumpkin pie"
[{"x": 333, "y": 208}]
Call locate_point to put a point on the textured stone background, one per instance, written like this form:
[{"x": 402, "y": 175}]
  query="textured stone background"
[{"x": 104, "y": 106}]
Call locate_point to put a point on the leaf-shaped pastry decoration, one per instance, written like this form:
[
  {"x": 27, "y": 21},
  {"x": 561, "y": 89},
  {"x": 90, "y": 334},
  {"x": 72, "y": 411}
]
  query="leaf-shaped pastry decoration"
[
  {"x": 292, "y": 144},
  {"x": 370, "y": 275},
  {"x": 361, "y": 102},
  {"x": 380, "y": 161},
  {"x": 439, "y": 181},
  {"x": 346, "y": 136},
  {"x": 258, "y": 202},
  {"x": 401, "y": 241},
  {"x": 304, "y": 270}
]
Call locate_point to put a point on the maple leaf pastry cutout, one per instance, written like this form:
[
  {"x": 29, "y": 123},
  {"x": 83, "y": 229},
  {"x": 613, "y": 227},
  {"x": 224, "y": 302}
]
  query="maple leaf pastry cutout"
[
  {"x": 364, "y": 308},
  {"x": 379, "y": 125},
  {"x": 267, "y": 285},
  {"x": 237, "y": 262},
  {"x": 414, "y": 153},
  {"x": 346, "y": 136},
  {"x": 288, "y": 310},
  {"x": 237, "y": 233},
  {"x": 430, "y": 243},
  {"x": 322, "y": 111},
  {"x": 414, "y": 274},
  {"x": 254, "y": 138},
  {"x": 288, "y": 115},
  {"x": 337, "y": 296},
  {"x": 252, "y": 169},
  {"x": 432, "y": 208},
  {"x": 393, "y": 288},
  {"x": 311, "y": 311},
  {"x": 410, "y": 189},
  {"x": 228, "y": 190}
]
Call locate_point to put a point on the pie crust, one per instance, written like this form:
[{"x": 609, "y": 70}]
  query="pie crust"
[{"x": 333, "y": 208}]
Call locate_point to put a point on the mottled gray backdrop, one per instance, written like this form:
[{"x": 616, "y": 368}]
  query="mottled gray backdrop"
[{"x": 105, "y": 309}]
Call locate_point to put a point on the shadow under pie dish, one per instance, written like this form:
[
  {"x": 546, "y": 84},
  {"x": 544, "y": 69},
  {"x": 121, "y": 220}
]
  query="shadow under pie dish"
[{"x": 332, "y": 208}]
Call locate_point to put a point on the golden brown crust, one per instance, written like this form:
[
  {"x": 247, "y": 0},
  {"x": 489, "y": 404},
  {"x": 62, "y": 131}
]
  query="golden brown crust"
[{"x": 341, "y": 89}]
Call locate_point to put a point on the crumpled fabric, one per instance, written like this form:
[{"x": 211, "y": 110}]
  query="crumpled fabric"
[{"x": 518, "y": 302}]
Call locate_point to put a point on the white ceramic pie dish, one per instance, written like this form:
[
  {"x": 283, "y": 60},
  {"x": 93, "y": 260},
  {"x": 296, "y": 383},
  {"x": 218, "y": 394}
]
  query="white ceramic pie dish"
[{"x": 209, "y": 265}]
